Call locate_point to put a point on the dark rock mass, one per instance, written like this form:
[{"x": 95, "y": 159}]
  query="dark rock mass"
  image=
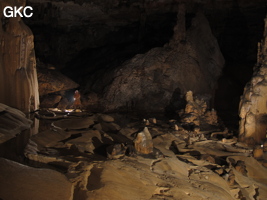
[
  {"x": 149, "y": 81},
  {"x": 12, "y": 122},
  {"x": 51, "y": 81}
]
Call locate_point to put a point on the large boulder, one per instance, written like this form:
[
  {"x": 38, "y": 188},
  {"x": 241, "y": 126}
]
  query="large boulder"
[
  {"x": 51, "y": 81},
  {"x": 18, "y": 77},
  {"x": 190, "y": 61}
]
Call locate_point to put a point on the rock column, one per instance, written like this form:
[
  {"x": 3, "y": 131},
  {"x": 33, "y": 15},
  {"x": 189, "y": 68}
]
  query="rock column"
[
  {"x": 253, "y": 104},
  {"x": 18, "y": 76}
]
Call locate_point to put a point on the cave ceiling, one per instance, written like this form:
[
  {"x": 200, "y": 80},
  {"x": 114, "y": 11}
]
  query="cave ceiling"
[{"x": 65, "y": 29}]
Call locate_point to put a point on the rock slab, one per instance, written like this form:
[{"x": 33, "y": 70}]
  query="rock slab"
[{"x": 18, "y": 181}]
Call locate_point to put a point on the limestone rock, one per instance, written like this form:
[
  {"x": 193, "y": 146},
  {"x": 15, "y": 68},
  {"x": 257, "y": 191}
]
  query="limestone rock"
[
  {"x": 105, "y": 118},
  {"x": 12, "y": 122},
  {"x": 148, "y": 81},
  {"x": 85, "y": 143},
  {"x": 143, "y": 142},
  {"x": 110, "y": 127},
  {"x": 253, "y": 107},
  {"x": 258, "y": 152},
  {"x": 116, "y": 151},
  {"x": 211, "y": 117},
  {"x": 50, "y": 101},
  {"x": 51, "y": 81},
  {"x": 18, "y": 77},
  {"x": 18, "y": 181},
  {"x": 196, "y": 113},
  {"x": 74, "y": 123}
]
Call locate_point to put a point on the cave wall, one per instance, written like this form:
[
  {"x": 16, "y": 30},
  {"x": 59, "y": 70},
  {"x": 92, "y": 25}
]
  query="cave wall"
[
  {"x": 253, "y": 104},
  {"x": 86, "y": 38},
  {"x": 63, "y": 29},
  {"x": 18, "y": 77}
]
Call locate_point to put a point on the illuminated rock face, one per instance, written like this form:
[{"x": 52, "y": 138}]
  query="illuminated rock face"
[
  {"x": 143, "y": 142},
  {"x": 18, "y": 77},
  {"x": 253, "y": 104}
]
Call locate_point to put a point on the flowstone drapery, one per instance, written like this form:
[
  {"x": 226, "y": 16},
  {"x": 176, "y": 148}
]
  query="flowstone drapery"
[
  {"x": 253, "y": 104},
  {"x": 18, "y": 77}
]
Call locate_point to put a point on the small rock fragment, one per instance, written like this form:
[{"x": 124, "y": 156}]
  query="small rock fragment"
[
  {"x": 116, "y": 151},
  {"x": 258, "y": 152},
  {"x": 105, "y": 118}
]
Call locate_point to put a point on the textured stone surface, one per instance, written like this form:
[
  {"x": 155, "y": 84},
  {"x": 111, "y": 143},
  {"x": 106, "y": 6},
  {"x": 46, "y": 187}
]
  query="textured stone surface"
[
  {"x": 196, "y": 113},
  {"x": 176, "y": 169},
  {"x": 253, "y": 107},
  {"x": 105, "y": 118},
  {"x": 149, "y": 81},
  {"x": 74, "y": 123},
  {"x": 12, "y": 122},
  {"x": 50, "y": 101},
  {"x": 18, "y": 77},
  {"x": 143, "y": 142},
  {"x": 51, "y": 81},
  {"x": 18, "y": 181}
]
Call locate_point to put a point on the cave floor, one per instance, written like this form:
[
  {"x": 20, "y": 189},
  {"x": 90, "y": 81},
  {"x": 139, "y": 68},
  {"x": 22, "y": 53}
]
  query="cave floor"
[{"x": 183, "y": 165}]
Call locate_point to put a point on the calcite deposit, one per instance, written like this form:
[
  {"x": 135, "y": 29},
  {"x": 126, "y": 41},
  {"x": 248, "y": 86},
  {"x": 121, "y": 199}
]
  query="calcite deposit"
[
  {"x": 155, "y": 163},
  {"x": 196, "y": 112},
  {"x": 190, "y": 61},
  {"x": 253, "y": 107},
  {"x": 18, "y": 77},
  {"x": 143, "y": 142}
]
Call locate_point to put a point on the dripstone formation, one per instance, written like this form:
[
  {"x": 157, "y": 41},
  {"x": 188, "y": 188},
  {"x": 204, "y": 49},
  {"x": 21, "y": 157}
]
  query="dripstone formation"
[
  {"x": 253, "y": 107},
  {"x": 190, "y": 61},
  {"x": 18, "y": 77},
  {"x": 196, "y": 113}
]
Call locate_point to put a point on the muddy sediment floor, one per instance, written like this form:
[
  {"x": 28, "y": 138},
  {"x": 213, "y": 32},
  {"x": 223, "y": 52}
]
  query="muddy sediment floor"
[{"x": 81, "y": 155}]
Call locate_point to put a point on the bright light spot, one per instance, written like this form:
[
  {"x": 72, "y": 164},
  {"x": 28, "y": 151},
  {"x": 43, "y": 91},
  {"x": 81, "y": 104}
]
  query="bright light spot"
[
  {"x": 54, "y": 109},
  {"x": 69, "y": 110}
]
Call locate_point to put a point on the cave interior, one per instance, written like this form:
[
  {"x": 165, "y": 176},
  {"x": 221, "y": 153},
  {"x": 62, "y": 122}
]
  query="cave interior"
[{"x": 145, "y": 99}]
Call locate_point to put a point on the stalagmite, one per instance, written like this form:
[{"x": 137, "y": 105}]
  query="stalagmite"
[
  {"x": 143, "y": 142},
  {"x": 253, "y": 107},
  {"x": 18, "y": 77}
]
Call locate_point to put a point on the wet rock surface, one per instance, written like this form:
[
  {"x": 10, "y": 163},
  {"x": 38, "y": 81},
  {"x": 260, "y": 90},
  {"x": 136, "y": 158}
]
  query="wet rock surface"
[{"x": 92, "y": 162}]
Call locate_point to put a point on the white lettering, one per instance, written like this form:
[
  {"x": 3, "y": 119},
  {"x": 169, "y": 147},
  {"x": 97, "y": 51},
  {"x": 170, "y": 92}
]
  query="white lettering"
[
  {"x": 17, "y": 11},
  {"x": 24, "y": 11},
  {"x": 14, "y": 12},
  {"x": 8, "y": 13}
]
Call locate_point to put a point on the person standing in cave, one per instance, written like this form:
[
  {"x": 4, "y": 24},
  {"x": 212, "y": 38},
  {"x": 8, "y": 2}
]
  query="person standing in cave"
[{"x": 77, "y": 100}]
